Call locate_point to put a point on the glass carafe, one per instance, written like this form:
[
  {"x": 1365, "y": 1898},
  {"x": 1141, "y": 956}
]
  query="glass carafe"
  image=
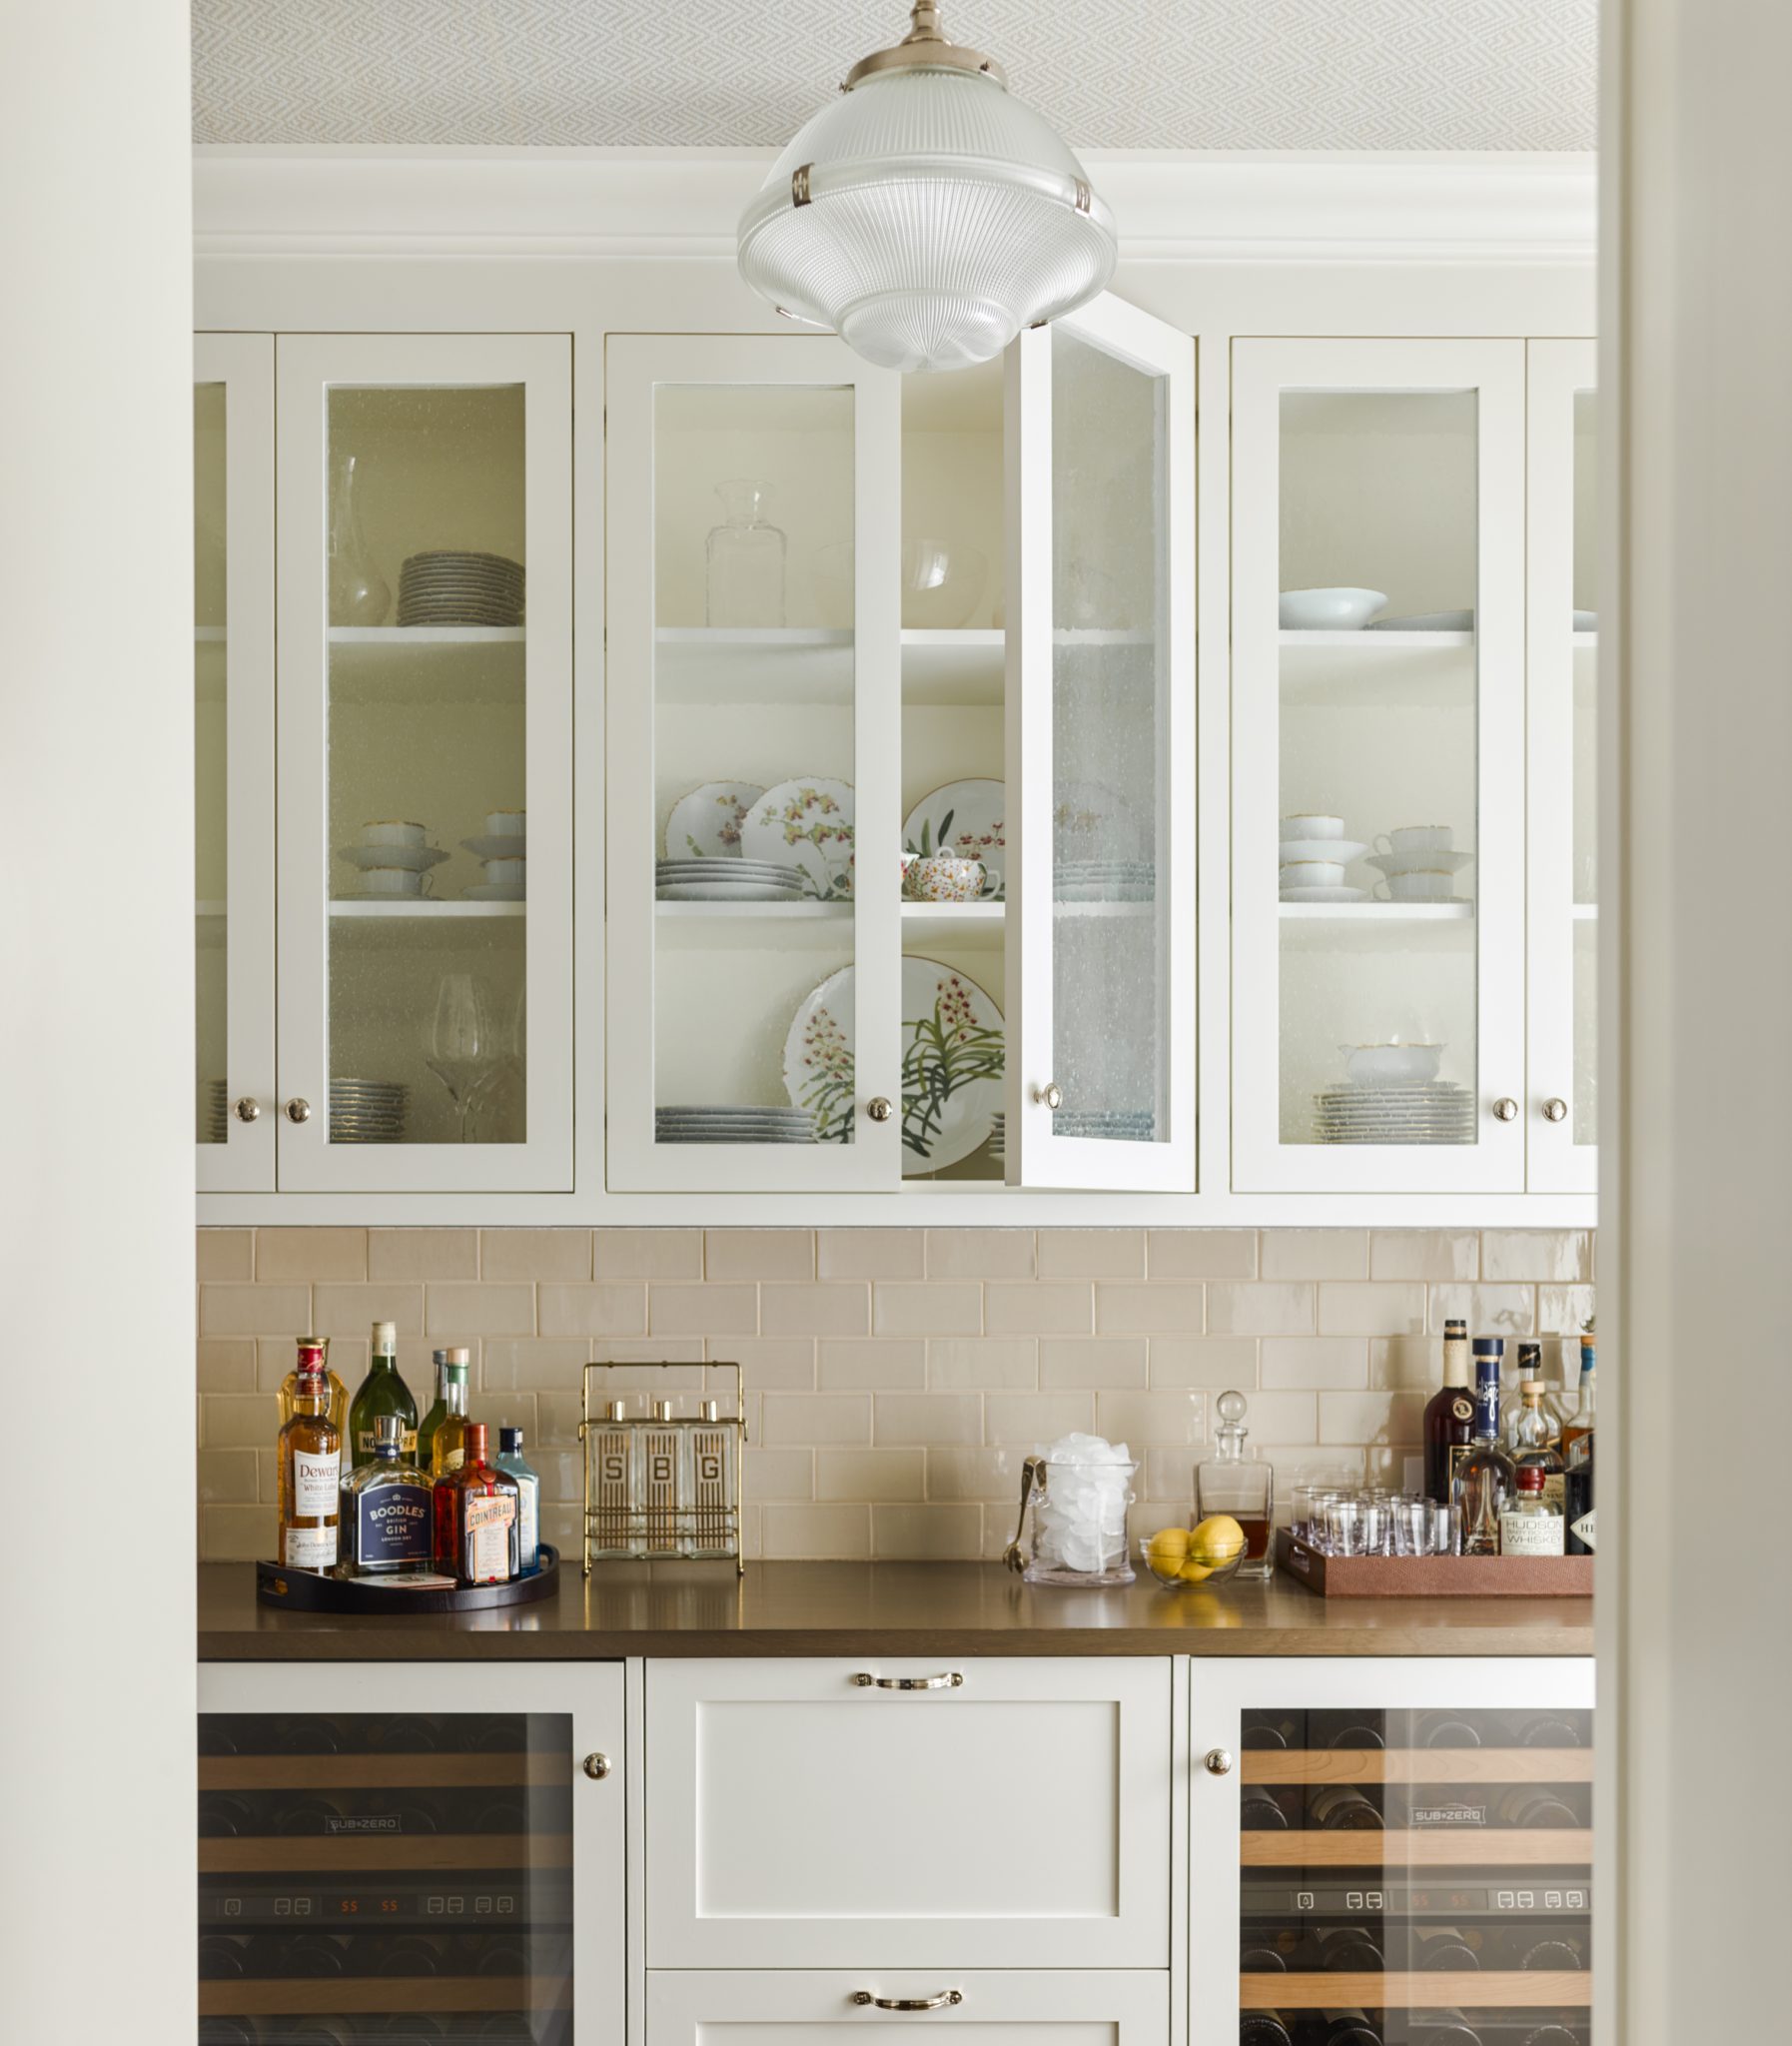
[
  {"x": 745, "y": 560},
  {"x": 1228, "y": 1482},
  {"x": 359, "y": 593}
]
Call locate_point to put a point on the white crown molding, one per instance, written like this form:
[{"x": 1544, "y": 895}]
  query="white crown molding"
[{"x": 1173, "y": 206}]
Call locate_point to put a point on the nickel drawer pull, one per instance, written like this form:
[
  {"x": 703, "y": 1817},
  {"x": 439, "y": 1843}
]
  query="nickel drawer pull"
[
  {"x": 945, "y": 1998},
  {"x": 949, "y": 1679}
]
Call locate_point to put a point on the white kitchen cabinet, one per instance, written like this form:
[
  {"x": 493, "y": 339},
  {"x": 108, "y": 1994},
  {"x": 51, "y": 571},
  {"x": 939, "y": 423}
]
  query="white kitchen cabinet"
[
  {"x": 995, "y": 1813},
  {"x": 833, "y": 698},
  {"x": 1394, "y": 1848},
  {"x": 387, "y": 1840},
  {"x": 1049, "y": 2007},
  {"x": 232, "y": 662}
]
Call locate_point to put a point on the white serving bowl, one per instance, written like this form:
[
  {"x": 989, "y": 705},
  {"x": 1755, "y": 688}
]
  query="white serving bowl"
[
  {"x": 1392, "y": 1065},
  {"x": 1328, "y": 611}
]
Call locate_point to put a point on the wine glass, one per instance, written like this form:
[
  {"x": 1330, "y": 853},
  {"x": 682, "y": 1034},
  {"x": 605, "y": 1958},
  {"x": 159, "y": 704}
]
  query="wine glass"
[
  {"x": 510, "y": 1054},
  {"x": 460, "y": 1049}
]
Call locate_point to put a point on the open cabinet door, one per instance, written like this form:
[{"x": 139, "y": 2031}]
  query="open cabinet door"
[{"x": 1100, "y": 754}]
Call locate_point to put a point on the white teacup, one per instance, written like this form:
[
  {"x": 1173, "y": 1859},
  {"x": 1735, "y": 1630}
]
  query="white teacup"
[
  {"x": 506, "y": 824},
  {"x": 1312, "y": 824},
  {"x": 394, "y": 881},
  {"x": 391, "y": 831},
  {"x": 1312, "y": 873},
  {"x": 507, "y": 870},
  {"x": 1416, "y": 838},
  {"x": 1428, "y": 884}
]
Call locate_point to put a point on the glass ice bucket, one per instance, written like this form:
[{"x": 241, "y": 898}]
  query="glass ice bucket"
[{"x": 1080, "y": 1524}]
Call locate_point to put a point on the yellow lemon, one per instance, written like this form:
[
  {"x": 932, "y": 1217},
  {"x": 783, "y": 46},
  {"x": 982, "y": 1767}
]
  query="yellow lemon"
[
  {"x": 1169, "y": 1544},
  {"x": 1196, "y": 1573},
  {"x": 1216, "y": 1540}
]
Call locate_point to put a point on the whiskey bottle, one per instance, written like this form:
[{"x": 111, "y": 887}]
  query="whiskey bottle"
[
  {"x": 1528, "y": 1524},
  {"x": 477, "y": 1517},
  {"x": 1577, "y": 1496},
  {"x": 310, "y": 1454},
  {"x": 1229, "y": 1482},
  {"x": 447, "y": 1441},
  {"x": 1448, "y": 1415},
  {"x": 387, "y": 1508},
  {"x": 1581, "y": 1422},
  {"x": 381, "y": 1391},
  {"x": 1483, "y": 1474},
  {"x": 529, "y": 1493},
  {"x": 1530, "y": 1369},
  {"x": 1531, "y": 1441},
  {"x": 318, "y": 1346}
]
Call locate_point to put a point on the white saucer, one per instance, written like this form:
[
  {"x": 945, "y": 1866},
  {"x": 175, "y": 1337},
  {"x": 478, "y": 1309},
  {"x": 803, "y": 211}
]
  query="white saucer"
[{"x": 415, "y": 859}]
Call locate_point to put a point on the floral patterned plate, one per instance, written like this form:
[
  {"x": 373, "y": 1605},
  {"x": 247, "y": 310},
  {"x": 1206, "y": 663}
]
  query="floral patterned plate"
[
  {"x": 952, "y": 1045},
  {"x": 805, "y": 823},
  {"x": 968, "y": 817},
  {"x": 706, "y": 823}
]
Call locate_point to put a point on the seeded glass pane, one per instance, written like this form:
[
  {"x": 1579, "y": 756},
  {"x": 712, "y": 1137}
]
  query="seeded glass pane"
[
  {"x": 752, "y": 765},
  {"x": 385, "y": 1876},
  {"x": 1110, "y": 770},
  {"x": 1377, "y": 767},
  {"x": 1586, "y": 768},
  {"x": 426, "y": 766},
  {"x": 1416, "y": 1878},
  {"x": 209, "y": 652}
]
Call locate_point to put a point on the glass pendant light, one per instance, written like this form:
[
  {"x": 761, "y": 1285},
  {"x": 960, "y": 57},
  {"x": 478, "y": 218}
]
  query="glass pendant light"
[{"x": 925, "y": 215}]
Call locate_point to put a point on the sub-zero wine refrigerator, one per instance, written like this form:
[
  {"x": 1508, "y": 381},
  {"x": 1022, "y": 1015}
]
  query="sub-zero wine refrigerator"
[
  {"x": 1393, "y": 1854},
  {"x": 413, "y": 1855}
]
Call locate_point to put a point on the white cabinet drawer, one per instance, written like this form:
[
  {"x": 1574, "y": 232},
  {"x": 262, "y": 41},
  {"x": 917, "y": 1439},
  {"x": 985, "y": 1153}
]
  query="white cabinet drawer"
[
  {"x": 799, "y": 1816},
  {"x": 761, "y": 2007}
]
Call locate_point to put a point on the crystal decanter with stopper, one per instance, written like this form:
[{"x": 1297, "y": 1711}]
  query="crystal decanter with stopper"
[
  {"x": 745, "y": 560},
  {"x": 1229, "y": 1482}
]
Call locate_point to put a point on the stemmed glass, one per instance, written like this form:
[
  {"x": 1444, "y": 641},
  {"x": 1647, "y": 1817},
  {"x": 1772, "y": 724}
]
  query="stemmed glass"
[
  {"x": 511, "y": 1053},
  {"x": 461, "y": 1049}
]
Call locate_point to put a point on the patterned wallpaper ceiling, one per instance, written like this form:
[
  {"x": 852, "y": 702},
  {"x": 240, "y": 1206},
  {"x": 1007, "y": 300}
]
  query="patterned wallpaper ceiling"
[{"x": 1112, "y": 74}]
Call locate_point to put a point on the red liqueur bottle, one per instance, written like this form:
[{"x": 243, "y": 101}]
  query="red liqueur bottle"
[{"x": 478, "y": 1518}]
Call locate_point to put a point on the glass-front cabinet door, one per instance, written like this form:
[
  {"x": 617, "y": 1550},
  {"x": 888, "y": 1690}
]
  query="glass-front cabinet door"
[
  {"x": 424, "y": 829},
  {"x": 233, "y": 760},
  {"x": 1561, "y": 1107},
  {"x": 1100, "y": 752},
  {"x": 1378, "y": 716},
  {"x": 406, "y": 1853},
  {"x": 1393, "y": 1854},
  {"x": 754, "y": 734}
]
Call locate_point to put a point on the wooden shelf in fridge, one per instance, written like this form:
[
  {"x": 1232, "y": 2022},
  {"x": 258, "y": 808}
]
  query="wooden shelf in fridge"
[
  {"x": 368, "y": 1854},
  {"x": 1518, "y": 1989},
  {"x": 1418, "y": 1765},
  {"x": 475, "y": 1772},
  {"x": 1457, "y": 1846},
  {"x": 372, "y": 1995}
]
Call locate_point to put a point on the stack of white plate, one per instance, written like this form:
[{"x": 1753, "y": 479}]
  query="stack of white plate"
[
  {"x": 1436, "y": 1112},
  {"x": 450, "y": 587},
  {"x": 1113, "y": 1125},
  {"x": 998, "y": 1136},
  {"x": 366, "y": 1111},
  {"x": 731, "y": 1125},
  {"x": 728, "y": 881},
  {"x": 1105, "y": 880},
  {"x": 213, "y": 1127}
]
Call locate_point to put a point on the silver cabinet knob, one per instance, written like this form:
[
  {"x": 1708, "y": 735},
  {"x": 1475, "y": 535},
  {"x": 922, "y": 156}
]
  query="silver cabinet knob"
[
  {"x": 1051, "y": 1095},
  {"x": 298, "y": 1110},
  {"x": 597, "y": 1766},
  {"x": 1556, "y": 1109},
  {"x": 1507, "y": 1109},
  {"x": 878, "y": 1108},
  {"x": 246, "y": 1109},
  {"x": 1217, "y": 1761}
]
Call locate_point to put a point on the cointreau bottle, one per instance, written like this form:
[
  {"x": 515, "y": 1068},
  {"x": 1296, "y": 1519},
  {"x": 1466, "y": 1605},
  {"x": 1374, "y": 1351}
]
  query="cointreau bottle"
[
  {"x": 311, "y": 1462},
  {"x": 478, "y": 1515}
]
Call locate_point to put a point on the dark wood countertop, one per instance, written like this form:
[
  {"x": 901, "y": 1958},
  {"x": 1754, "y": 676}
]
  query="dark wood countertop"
[{"x": 887, "y": 1608}]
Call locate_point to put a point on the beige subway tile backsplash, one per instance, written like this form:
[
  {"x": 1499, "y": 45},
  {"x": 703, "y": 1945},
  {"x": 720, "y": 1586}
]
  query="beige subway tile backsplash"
[{"x": 895, "y": 1378}]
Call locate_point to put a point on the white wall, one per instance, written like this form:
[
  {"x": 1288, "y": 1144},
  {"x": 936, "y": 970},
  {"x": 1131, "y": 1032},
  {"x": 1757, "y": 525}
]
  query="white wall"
[
  {"x": 1696, "y": 1604},
  {"x": 96, "y": 732}
]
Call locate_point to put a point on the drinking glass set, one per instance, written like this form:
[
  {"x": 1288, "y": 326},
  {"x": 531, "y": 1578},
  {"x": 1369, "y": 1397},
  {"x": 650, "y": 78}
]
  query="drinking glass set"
[{"x": 1367, "y": 1522}]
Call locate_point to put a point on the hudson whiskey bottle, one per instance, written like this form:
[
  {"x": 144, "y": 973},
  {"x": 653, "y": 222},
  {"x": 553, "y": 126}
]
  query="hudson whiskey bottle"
[
  {"x": 1448, "y": 1415},
  {"x": 478, "y": 1518},
  {"x": 387, "y": 1507},
  {"x": 381, "y": 1391},
  {"x": 310, "y": 1457},
  {"x": 318, "y": 1346}
]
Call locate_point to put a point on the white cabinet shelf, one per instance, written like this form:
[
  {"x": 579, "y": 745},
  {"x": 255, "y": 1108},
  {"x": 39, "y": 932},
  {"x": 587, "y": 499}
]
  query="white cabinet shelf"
[
  {"x": 1375, "y": 913},
  {"x": 815, "y": 664},
  {"x": 427, "y": 663},
  {"x": 821, "y": 926},
  {"x": 410, "y": 909}
]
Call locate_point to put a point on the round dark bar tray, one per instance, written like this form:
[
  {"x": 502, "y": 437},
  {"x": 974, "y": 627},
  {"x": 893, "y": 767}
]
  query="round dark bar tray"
[{"x": 302, "y": 1591}]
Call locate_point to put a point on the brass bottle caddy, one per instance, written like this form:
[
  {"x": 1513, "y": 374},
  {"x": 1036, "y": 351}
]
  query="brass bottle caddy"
[{"x": 664, "y": 1485}]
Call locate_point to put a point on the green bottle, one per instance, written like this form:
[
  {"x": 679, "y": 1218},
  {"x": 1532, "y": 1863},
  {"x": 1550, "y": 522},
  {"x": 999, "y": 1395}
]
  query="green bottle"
[
  {"x": 451, "y": 1368},
  {"x": 381, "y": 1391}
]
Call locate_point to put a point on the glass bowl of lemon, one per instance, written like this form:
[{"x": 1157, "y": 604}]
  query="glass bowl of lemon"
[{"x": 1209, "y": 1553}]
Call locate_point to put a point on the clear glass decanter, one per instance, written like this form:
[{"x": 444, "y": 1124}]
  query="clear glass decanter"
[
  {"x": 746, "y": 560},
  {"x": 1228, "y": 1482},
  {"x": 359, "y": 593}
]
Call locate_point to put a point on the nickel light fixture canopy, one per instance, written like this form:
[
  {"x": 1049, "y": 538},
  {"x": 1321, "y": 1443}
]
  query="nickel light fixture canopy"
[{"x": 925, "y": 215}]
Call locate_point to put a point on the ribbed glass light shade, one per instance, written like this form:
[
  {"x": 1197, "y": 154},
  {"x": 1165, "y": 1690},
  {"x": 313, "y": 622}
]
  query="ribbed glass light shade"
[{"x": 942, "y": 218}]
